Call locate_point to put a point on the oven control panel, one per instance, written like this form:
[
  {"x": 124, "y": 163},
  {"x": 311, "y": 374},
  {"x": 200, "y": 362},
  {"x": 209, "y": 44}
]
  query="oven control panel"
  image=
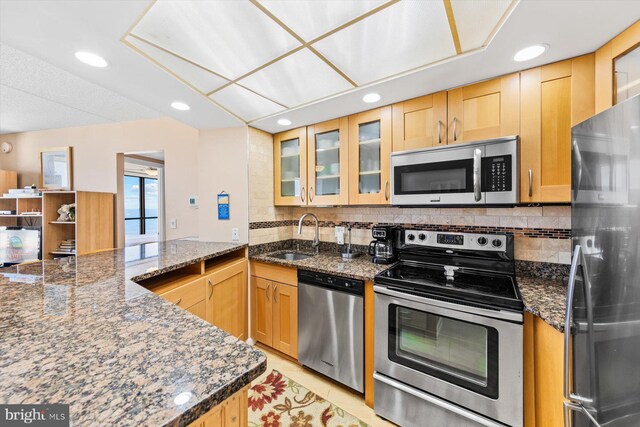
[{"x": 447, "y": 240}]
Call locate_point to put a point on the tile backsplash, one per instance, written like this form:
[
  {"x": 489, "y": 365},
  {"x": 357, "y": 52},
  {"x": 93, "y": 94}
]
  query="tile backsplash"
[{"x": 541, "y": 233}]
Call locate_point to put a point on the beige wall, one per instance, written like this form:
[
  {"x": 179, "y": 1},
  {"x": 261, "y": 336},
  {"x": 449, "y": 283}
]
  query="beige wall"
[
  {"x": 220, "y": 156},
  {"x": 222, "y": 165},
  {"x": 261, "y": 207}
]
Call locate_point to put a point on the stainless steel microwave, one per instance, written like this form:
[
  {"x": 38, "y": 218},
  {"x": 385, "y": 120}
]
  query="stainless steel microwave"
[{"x": 475, "y": 173}]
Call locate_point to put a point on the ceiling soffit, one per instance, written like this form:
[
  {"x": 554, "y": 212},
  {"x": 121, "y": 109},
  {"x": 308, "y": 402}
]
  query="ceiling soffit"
[{"x": 257, "y": 58}]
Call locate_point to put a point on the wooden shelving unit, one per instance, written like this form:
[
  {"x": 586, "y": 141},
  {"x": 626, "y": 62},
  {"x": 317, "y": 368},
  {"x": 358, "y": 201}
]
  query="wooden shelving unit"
[{"x": 92, "y": 229}]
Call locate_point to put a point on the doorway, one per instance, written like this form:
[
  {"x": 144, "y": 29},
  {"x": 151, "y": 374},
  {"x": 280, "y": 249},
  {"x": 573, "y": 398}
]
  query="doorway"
[{"x": 143, "y": 197}]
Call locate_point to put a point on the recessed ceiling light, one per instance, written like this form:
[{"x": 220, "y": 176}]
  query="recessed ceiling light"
[
  {"x": 371, "y": 97},
  {"x": 284, "y": 122},
  {"x": 530, "y": 52},
  {"x": 91, "y": 59},
  {"x": 180, "y": 106}
]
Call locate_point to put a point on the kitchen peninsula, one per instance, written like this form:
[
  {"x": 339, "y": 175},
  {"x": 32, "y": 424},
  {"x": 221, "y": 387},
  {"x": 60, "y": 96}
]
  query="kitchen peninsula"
[{"x": 82, "y": 331}]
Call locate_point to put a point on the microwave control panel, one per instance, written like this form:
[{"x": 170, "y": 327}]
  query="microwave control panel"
[{"x": 498, "y": 173}]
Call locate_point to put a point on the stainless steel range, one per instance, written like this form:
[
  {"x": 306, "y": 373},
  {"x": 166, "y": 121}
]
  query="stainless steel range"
[{"x": 448, "y": 327}]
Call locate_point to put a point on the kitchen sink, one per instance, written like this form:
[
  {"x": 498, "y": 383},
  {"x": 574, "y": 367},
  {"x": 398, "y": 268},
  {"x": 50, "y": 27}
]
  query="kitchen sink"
[{"x": 291, "y": 256}]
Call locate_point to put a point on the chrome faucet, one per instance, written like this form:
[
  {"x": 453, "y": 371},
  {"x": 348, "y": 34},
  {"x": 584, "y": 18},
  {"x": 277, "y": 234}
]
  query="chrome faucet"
[{"x": 316, "y": 240}]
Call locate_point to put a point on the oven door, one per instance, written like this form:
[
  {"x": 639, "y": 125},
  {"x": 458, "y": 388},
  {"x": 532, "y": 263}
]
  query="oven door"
[
  {"x": 466, "y": 355},
  {"x": 450, "y": 176}
]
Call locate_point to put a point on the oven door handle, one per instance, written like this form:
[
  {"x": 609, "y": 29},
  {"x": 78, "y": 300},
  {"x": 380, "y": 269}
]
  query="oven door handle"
[
  {"x": 477, "y": 311},
  {"x": 477, "y": 172}
]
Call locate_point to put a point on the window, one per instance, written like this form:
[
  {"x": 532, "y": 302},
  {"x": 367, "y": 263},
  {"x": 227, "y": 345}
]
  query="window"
[{"x": 140, "y": 205}]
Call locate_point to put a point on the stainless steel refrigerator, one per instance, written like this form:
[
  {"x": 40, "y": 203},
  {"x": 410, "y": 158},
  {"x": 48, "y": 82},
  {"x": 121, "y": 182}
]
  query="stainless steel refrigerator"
[{"x": 602, "y": 327}]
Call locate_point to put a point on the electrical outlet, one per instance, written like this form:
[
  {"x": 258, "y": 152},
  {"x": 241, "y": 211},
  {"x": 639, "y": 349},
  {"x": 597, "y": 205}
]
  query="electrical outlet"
[
  {"x": 340, "y": 235},
  {"x": 173, "y": 223},
  {"x": 235, "y": 234}
]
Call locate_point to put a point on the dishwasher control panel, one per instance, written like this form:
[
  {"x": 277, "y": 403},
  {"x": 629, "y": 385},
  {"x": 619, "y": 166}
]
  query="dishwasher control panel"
[{"x": 343, "y": 284}]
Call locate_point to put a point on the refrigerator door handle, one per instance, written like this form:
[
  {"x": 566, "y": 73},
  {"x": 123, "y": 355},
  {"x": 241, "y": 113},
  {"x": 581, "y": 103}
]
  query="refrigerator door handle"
[
  {"x": 576, "y": 168},
  {"x": 578, "y": 262},
  {"x": 570, "y": 406}
]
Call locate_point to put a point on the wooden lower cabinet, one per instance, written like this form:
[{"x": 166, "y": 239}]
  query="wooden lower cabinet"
[
  {"x": 232, "y": 412},
  {"x": 543, "y": 373},
  {"x": 227, "y": 298},
  {"x": 215, "y": 292},
  {"x": 274, "y": 309}
]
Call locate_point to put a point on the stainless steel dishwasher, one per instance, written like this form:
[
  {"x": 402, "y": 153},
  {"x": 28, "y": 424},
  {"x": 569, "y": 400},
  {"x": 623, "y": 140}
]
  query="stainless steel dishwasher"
[{"x": 331, "y": 327}]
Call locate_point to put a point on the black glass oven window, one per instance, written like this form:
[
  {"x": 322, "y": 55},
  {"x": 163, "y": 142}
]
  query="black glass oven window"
[
  {"x": 460, "y": 352},
  {"x": 434, "y": 178}
]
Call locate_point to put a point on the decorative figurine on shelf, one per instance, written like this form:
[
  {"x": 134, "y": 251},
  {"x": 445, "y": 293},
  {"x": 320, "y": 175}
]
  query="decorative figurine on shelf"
[{"x": 67, "y": 212}]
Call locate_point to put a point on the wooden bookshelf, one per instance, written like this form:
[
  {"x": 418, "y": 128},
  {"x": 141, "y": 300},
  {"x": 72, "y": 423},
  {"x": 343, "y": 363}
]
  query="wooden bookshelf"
[{"x": 92, "y": 229}]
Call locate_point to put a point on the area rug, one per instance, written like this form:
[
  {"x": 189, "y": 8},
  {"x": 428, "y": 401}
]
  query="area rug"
[{"x": 279, "y": 401}]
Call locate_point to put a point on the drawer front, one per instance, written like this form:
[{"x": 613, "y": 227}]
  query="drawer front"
[{"x": 187, "y": 295}]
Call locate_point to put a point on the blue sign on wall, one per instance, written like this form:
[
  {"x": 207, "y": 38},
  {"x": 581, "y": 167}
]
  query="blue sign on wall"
[{"x": 223, "y": 206}]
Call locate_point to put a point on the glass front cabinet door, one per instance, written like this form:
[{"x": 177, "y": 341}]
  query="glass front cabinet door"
[
  {"x": 328, "y": 164},
  {"x": 290, "y": 167},
  {"x": 370, "y": 157}
]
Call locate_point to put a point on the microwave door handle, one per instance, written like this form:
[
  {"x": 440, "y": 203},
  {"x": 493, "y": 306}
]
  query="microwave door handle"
[{"x": 477, "y": 170}]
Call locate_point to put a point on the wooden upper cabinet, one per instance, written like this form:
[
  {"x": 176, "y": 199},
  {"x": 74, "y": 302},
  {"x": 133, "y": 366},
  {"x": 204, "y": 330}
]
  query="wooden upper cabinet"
[
  {"x": 605, "y": 59},
  {"x": 420, "y": 122},
  {"x": 369, "y": 157},
  {"x": 484, "y": 110},
  {"x": 226, "y": 297},
  {"x": 328, "y": 163},
  {"x": 555, "y": 97},
  {"x": 290, "y": 167}
]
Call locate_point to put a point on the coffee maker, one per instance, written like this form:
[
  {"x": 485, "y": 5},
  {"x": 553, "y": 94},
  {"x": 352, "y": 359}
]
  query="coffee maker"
[{"x": 381, "y": 249}]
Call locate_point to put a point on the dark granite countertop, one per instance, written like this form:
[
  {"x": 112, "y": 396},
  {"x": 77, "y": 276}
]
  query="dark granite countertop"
[
  {"x": 81, "y": 331},
  {"x": 545, "y": 298},
  {"x": 329, "y": 262},
  {"x": 544, "y": 295}
]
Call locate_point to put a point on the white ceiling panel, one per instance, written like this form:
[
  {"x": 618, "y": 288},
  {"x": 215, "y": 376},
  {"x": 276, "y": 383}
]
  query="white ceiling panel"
[
  {"x": 402, "y": 37},
  {"x": 312, "y": 18},
  {"x": 476, "y": 20},
  {"x": 244, "y": 103},
  {"x": 200, "y": 78},
  {"x": 28, "y": 75},
  {"x": 228, "y": 37},
  {"x": 297, "y": 79},
  {"x": 21, "y": 111}
]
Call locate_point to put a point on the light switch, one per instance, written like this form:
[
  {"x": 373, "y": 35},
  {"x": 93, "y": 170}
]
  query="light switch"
[
  {"x": 173, "y": 223},
  {"x": 235, "y": 234},
  {"x": 340, "y": 235}
]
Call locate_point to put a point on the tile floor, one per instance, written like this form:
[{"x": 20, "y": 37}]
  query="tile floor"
[{"x": 341, "y": 396}]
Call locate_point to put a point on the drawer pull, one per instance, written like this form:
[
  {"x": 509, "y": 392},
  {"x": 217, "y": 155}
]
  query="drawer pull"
[
  {"x": 275, "y": 290},
  {"x": 210, "y": 287},
  {"x": 267, "y": 293},
  {"x": 179, "y": 301}
]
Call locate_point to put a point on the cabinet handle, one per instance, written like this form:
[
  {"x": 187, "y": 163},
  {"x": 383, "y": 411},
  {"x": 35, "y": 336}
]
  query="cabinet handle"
[
  {"x": 179, "y": 301},
  {"x": 530, "y": 183},
  {"x": 302, "y": 195},
  {"x": 439, "y": 132},
  {"x": 386, "y": 190},
  {"x": 210, "y": 288},
  {"x": 455, "y": 129},
  {"x": 275, "y": 289},
  {"x": 267, "y": 293},
  {"x": 311, "y": 194}
]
